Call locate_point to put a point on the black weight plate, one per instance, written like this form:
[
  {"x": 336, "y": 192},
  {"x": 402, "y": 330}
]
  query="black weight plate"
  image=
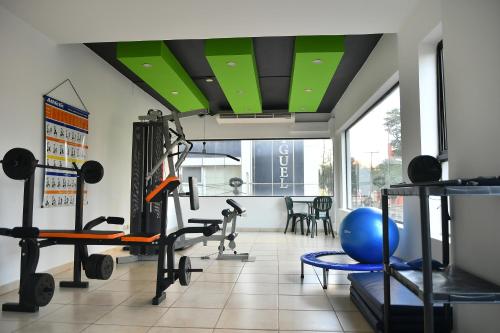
[
  {"x": 39, "y": 289},
  {"x": 99, "y": 266},
  {"x": 424, "y": 168},
  {"x": 105, "y": 267},
  {"x": 92, "y": 172},
  {"x": 19, "y": 163},
  {"x": 184, "y": 270},
  {"x": 91, "y": 266}
]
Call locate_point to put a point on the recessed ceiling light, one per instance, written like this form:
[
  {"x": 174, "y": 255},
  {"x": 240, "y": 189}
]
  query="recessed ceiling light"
[
  {"x": 209, "y": 79},
  {"x": 231, "y": 64},
  {"x": 308, "y": 90},
  {"x": 147, "y": 65},
  {"x": 175, "y": 92},
  {"x": 317, "y": 61}
]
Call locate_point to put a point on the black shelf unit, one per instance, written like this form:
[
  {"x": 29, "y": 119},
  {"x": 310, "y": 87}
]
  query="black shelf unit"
[{"x": 451, "y": 285}]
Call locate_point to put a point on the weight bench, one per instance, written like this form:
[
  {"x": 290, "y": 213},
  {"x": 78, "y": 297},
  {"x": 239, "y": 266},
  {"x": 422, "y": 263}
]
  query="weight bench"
[
  {"x": 230, "y": 217},
  {"x": 37, "y": 289}
]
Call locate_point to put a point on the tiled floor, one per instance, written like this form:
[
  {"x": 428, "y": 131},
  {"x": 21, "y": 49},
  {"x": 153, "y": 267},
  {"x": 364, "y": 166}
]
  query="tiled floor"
[{"x": 228, "y": 297}]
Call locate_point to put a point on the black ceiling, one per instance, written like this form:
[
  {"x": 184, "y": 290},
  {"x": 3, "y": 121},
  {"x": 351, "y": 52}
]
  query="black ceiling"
[{"x": 274, "y": 56}]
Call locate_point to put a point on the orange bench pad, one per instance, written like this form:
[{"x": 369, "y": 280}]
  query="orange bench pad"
[
  {"x": 140, "y": 239},
  {"x": 172, "y": 181},
  {"x": 79, "y": 235}
]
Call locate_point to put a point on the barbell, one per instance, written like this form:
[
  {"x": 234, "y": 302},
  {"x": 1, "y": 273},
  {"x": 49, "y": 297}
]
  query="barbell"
[{"x": 20, "y": 164}]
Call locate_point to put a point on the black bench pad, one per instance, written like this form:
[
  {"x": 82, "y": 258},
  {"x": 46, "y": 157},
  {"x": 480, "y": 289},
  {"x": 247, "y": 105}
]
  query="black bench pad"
[{"x": 205, "y": 221}]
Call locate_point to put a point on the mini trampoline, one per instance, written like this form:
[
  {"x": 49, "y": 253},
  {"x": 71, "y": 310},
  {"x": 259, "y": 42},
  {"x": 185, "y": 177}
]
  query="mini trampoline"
[{"x": 343, "y": 263}]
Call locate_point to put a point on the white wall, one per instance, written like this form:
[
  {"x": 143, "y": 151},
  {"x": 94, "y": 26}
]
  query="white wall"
[
  {"x": 31, "y": 65},
  {"x": 472, "y": 71}
]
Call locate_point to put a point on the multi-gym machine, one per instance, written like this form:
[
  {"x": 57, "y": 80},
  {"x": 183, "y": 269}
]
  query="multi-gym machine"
[{"x": 159, "y": 138}]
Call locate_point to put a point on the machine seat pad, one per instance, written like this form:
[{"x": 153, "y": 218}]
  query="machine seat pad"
[
  {"x": 205, "y": 221},
  {"x": 140, "y": 238},
  {"x": 84, "y": 234}
]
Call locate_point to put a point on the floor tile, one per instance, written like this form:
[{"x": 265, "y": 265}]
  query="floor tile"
[
  {"x": 100, "y": 298},
  {"x": 229, "y": 330},
  {"x": 133, "y": 315},
  {"x": 190, "y": 317},
  {"x": 8, "y": 326},
  {"x": 95, "y": 328},
  {"x": 179, "y": 330},
  {"x": 48, "y": 327},
  {"x": 211, "y": 287},
  {"x": 126, "y": 285},
  {"x": 220, "y": 277},
  {"x": 258, "y": 278},
  {"x": 301, "y": 289},
  {"x": 249, "y": 319},
  {"x": 260, "y": 269},
  {"x": 223, "y": 269},
  {"x": 24, "y": 318},
  {"x": 77, "y": 314},
  {"x": 246, "y": 301},
  {"x": 256, "y": 288},
  {"x": 304, "y": 302},
  {"x": 338, "y": 289},
  {"x": 309, "y": 321},
  {"x": 144, "y": 299},
  {"x": 353, "y": 321},
  {"x": 342, "y": 303},
  {"x": 295, "y": 278},
  {"x": 194, "y": 300}
]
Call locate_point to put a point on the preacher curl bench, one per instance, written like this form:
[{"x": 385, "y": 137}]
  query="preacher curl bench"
[{"x": 37, "y": 289}]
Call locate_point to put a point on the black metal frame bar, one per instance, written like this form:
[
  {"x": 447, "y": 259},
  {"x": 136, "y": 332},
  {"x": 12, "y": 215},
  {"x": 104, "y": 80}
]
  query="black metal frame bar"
[
  {"x": 441, "y": 105},
  {"x": 423, "y": 193},
  {"x": 29, "y": 251}
]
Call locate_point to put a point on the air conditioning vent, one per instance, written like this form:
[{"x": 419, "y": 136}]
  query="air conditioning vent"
[{"x": 258, "y": 118}]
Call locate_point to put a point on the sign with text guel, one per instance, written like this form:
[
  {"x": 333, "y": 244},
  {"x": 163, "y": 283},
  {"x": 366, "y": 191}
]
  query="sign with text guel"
[{"x": 66, "y": 130}]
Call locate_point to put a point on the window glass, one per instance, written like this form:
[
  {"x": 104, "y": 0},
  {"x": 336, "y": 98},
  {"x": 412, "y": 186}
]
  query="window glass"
[
  {"x": 373, "y": 146},
  {"x": 301, "y": 167}
]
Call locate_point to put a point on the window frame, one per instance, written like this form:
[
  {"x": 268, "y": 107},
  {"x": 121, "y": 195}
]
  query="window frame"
[
  {"x": 441, "y": 105},
  {"x": 265, "y": 139},
  {"x": 347, "y": 155}
]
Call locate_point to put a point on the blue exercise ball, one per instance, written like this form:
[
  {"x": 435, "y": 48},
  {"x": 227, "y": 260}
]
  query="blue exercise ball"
[{"x": 361, "y": 235}]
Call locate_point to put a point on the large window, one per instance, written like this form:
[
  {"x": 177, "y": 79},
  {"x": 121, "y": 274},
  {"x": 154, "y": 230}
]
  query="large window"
[
  {"x": 265, "y": 168},
  {"x": 373, "y": 147}
]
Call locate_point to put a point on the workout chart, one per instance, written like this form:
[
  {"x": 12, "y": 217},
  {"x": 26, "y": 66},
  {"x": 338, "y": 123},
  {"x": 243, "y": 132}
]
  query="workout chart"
[{"x": 66, "y": 130}]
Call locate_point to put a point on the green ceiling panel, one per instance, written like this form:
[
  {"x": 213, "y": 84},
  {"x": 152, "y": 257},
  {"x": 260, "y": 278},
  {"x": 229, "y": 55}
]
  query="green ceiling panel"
[
  {"x": 155, "y": 64},
  {"x": 315, "y": 61},
  {"x": 233, "y": 63}
]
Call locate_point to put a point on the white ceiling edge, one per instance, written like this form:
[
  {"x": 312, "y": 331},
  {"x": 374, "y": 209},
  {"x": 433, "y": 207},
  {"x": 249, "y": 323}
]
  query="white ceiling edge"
[{"x": 79, "y": 21}]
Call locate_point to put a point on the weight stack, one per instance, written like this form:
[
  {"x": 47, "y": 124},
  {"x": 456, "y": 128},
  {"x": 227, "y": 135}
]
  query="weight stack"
[{"x": 147, "y": 149}]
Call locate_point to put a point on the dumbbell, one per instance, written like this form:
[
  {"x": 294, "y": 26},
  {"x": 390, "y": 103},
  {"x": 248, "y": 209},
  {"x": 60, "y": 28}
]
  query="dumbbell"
[{"x": 20, "y": 164}]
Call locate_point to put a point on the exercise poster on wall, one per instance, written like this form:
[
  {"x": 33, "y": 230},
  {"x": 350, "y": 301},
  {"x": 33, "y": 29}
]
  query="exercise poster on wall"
[{"x": 66, "y": 131}]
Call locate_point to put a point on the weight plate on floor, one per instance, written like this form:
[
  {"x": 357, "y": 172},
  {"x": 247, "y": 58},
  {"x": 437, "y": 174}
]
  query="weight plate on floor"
[
  {"x": 39, "y": 289},
  {"x": 184, "y": 270}
]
